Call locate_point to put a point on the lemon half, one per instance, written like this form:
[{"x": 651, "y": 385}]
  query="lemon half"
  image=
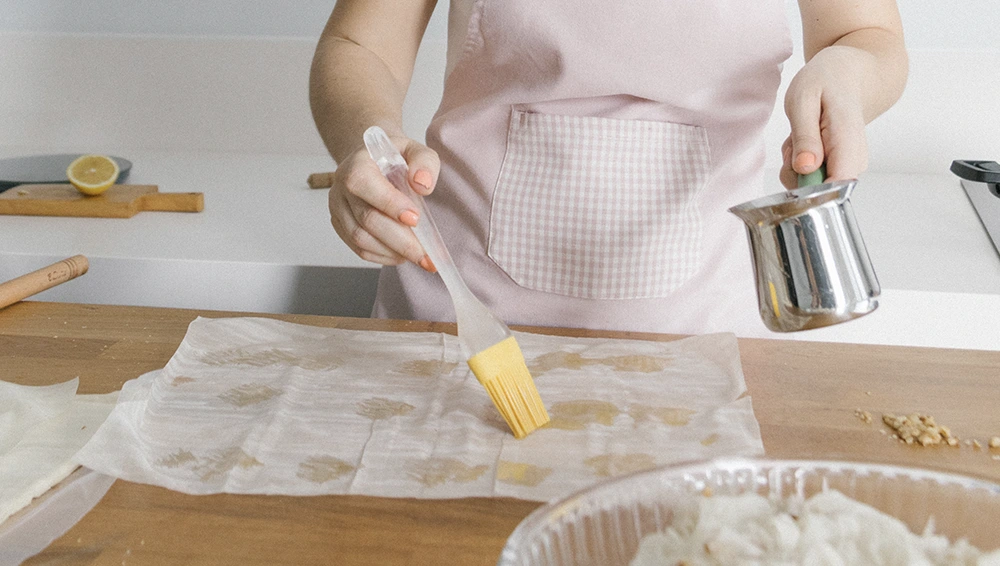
[{"x": 92, "y": 174}]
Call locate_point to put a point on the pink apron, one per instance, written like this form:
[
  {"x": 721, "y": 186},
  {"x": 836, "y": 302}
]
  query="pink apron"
[{"x": 589, "y": 153}]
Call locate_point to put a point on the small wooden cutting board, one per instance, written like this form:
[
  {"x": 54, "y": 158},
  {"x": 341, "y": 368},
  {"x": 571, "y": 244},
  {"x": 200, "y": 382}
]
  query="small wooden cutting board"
[{"x": 119, "y": 201}]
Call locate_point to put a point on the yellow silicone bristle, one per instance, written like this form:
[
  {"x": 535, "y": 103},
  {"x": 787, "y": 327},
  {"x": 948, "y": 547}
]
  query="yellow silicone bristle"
[{"x": 502, "y": 371}]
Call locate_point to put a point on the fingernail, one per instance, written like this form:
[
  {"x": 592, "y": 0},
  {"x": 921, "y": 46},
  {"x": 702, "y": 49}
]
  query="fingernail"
[
  {"x": 409, "y": 217},
  {"x": 427, "y": 264},
  {"x": 423, "y": 178},
  {"x": 805, "y": 160}
]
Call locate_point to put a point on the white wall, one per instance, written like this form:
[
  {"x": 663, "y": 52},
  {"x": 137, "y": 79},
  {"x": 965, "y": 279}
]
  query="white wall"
[
  {"x": 222, "y": 76},
  {"x": 300, "y": 18},
  {"x": 230, "y": 75},
  {"x": 956, "y": 24}
]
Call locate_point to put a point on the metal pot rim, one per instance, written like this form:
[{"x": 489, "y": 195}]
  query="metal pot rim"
[{"x": 794, "y": 202}]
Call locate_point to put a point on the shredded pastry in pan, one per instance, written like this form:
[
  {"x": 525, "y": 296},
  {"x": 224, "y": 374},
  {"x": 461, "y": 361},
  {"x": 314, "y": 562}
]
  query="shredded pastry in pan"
[{"x": 828, "y": 528}]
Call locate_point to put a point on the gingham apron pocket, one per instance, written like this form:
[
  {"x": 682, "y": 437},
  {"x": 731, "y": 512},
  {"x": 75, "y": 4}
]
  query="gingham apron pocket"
[{"x": 599, "y": 208}]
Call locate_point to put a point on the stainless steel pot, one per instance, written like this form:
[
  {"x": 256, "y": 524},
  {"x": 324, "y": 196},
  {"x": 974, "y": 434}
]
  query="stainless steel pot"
[{"x": 810, "y": 264}]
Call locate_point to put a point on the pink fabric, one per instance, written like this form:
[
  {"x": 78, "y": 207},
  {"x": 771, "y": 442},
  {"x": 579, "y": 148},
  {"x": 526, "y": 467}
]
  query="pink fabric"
[
  {"x": 575, "y": 190},
  {"x": 589, "y": 153}
]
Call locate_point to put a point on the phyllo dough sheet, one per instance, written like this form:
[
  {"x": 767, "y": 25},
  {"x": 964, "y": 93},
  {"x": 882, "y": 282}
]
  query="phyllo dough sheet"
[
  {"x": 251, "y": 405},
  {"x": 42, "y": 428}
]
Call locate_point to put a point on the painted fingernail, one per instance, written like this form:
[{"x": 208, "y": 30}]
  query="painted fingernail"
[
  {"x": 805, "y": 160},
  {"x": 423, "y": 178},
  {"x": 427, "y": 264},
  {"x": 409, "y": 217}
]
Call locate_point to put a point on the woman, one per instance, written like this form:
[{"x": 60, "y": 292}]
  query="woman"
[{"x": 585, "y": 153}]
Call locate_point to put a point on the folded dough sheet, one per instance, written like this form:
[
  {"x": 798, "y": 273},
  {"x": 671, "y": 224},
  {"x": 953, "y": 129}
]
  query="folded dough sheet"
[
  {"x": 250, "y": 405},
  {"x": 41, "y": 431}
]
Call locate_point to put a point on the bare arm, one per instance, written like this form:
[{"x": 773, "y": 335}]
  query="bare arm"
[
  {"x": 856, "y": 68},
  {"x": 870, "y": 33},
  {"x": 362, "y": 69},
  {"x": 360, "y": 74}
]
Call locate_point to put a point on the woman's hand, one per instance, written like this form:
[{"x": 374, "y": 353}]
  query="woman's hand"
[
  {"x": 856, "y": 67},
  {"x": 826, "y": 112},
  {"x": 373, "y": 217},
  {"x": 360, "y": 74}
]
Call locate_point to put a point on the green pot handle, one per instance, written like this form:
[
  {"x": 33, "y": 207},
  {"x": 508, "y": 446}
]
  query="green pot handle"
[{"x": 815, "y": 178}]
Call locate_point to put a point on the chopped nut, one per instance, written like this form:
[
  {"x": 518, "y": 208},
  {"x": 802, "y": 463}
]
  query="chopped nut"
[
  {"x": 865, "y": 416},
  {"x": 977, "y": 445},
  {"x": 995, "y": 442},
  {"x": 921, "y": 429}
]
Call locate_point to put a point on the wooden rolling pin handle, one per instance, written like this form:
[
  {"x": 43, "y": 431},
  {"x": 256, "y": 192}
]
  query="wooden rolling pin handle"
[
  {"x": 38, "y": 281},
  {"x": 174, "y": 202},
  {"x": 320, "y": 180}
]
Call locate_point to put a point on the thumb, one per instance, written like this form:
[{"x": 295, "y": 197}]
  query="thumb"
[
  {"x": 804, "y": 111},
  {"x": 424, "y": 166}
]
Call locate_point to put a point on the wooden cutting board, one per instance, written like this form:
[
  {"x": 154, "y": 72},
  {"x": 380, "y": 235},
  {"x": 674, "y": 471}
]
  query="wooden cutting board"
[{"x": 120, "y": 201}]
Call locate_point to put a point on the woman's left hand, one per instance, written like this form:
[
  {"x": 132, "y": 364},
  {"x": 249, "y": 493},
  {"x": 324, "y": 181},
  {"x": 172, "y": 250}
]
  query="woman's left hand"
[
  {"x": 825, "y": 109},
  {"x": 856, "y": 67}
]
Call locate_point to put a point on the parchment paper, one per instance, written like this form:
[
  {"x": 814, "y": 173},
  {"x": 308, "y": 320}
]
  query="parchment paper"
[{"x": 251, "y": 405}]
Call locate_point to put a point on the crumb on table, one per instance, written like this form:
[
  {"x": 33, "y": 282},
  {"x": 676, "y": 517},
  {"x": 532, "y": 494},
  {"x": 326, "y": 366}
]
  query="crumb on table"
[{"x": 919, "y": 429}]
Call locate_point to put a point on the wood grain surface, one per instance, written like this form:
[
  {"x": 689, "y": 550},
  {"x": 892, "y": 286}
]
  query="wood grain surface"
[
  {"x": 119, "y": 201},
  {"x": 804, "y": 395}
]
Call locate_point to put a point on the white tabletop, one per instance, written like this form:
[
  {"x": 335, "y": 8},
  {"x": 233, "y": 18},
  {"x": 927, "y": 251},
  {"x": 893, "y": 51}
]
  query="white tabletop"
[
  {"x": 923, "y": 234},
  {"x": 258, "y": 209},
  {"x": 263, "y": 243}
]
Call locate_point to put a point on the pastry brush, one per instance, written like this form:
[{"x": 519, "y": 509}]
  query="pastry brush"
[{"x": 495, "y": 358}]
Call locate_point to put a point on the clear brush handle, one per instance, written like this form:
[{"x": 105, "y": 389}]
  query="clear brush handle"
[{"x": 478, "y": 328}]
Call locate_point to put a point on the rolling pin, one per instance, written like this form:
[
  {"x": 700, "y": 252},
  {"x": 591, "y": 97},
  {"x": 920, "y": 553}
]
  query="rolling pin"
[{"x": 38, "y": 281}]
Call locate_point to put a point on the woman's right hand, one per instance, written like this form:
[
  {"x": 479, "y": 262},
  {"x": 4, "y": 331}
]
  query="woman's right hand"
[{"x": 373, "y": 217}]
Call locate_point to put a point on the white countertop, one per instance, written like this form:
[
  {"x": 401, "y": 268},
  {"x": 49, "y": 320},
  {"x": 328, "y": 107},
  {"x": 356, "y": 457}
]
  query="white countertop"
[
  {"x": 264, "y": 243},
  {"x": 923, "y": 234},
  {"x": 938, "y": 268},
  {"x": 258, "y": 209}
]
